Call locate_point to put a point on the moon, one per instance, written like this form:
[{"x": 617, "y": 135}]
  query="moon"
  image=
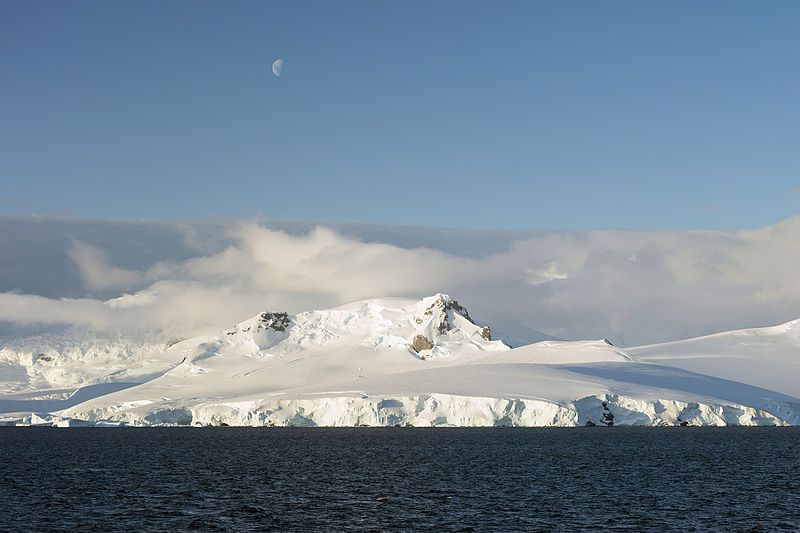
[{"x": 277, "y": 67}]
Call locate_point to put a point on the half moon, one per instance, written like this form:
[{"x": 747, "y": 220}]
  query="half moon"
[{"x": 277, "y": 67}]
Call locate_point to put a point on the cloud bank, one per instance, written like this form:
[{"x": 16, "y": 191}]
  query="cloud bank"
[{"x": 632, "y": 287}]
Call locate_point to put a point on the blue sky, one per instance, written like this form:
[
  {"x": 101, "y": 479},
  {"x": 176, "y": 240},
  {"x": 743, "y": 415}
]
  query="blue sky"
[{"x": 458, "y": 114}]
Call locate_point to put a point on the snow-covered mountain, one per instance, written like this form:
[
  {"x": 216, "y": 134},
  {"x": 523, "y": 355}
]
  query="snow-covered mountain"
[
  {"x": 766, "y": 357},
  {"x": 374, "y": 362},
  {"x": 76, "y": 357}
]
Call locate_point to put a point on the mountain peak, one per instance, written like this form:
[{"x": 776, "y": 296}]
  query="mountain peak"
[
  {"x": 434, "y": 326},
  {"x": 437, "y": 316},
  {"x": 440, "y": 309}
]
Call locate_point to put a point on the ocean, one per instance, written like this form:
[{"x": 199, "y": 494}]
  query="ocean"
[{"x": 400, "y": 479}]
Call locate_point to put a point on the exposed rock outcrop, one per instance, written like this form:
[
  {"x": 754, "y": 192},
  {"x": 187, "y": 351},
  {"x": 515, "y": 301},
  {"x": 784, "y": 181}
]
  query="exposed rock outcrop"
[
  {"x": 439, "y": 311},
  {"x": 421, "y": 343},
  {"x": 274, "y": 321},
  {"x": 440, "y": 317},
  {"x": 266, "y": 321}
]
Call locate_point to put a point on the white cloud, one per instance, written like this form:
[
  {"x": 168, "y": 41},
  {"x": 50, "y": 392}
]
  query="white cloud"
[
  {"x": 572, "y": 285},
  {"x": 537, "y": 277},
  {"x": 97, "y": 273},
  {"x": 30, "y": 309}
]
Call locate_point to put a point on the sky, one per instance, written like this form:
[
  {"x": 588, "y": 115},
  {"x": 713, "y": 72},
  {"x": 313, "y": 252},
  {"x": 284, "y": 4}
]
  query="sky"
[
  {"x": 627, "y": 170},
  {"x": 506, "y": 116}
]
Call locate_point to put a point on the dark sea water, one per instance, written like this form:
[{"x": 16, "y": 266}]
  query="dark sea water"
[{"x": 369, "y": 479}]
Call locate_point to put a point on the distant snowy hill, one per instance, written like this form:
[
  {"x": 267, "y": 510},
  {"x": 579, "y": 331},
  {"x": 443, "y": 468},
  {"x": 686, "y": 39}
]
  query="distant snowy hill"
[
  {"x": 79, "y": 356},
  {"x": 766, "y": 357},
  {"x": 374, "y": 362}
]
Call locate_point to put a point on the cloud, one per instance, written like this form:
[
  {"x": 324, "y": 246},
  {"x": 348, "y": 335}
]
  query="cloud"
[
  {"x": 537, "y": 277},
  {"x": 97, "y": 273},
  {"x": 633, "y": 287},
  {"x": 29, "y": 309}
]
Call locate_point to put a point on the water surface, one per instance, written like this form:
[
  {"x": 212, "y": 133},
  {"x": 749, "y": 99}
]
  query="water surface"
[{"x": 400, "y": 479}]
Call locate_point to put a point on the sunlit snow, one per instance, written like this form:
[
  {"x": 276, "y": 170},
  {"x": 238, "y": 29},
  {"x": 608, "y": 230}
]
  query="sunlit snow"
[{"x": 378, "y": 362}]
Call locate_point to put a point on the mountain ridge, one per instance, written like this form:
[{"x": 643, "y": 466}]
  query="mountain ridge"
[{"x": 390, "y": 361}]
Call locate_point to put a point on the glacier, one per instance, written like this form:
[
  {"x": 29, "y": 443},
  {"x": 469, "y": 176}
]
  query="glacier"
[{"x": 387, "y": 362}]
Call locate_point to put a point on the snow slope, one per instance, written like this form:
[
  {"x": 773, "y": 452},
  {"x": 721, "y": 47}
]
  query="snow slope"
[
  {"x": 77, "y": 357},
  {"x": 766, "y": 357},
  {"x": 403, "y": 362}
]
